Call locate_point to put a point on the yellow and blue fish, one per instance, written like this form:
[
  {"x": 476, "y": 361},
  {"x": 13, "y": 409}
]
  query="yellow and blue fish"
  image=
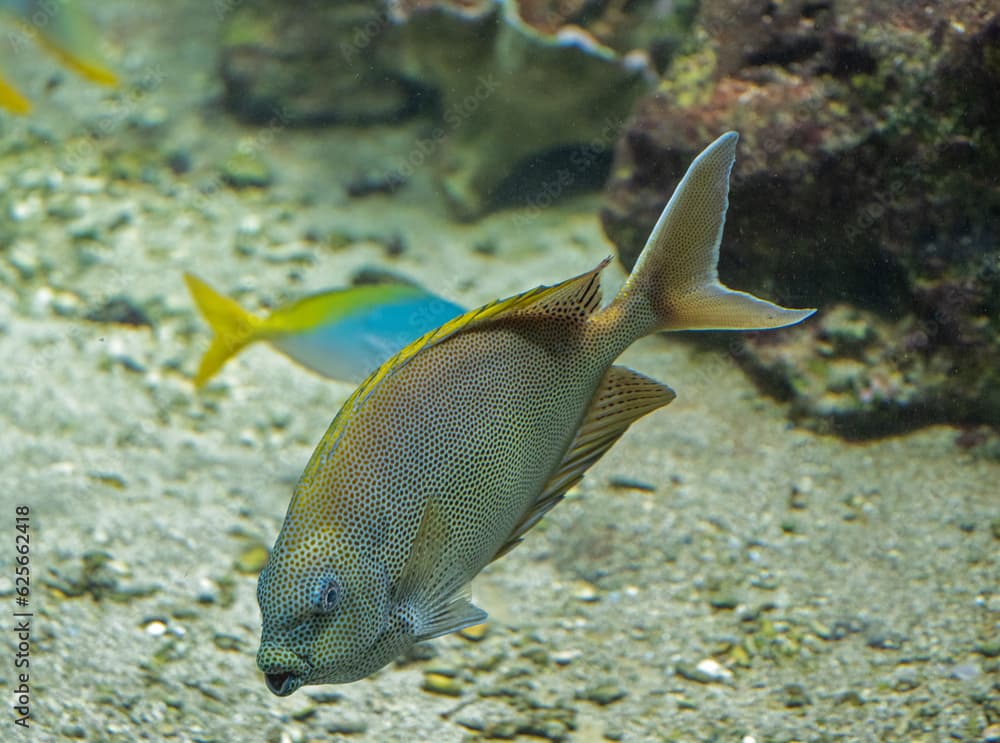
[
  {"x": 340, "y": 333},
  {"x": 64, "y": 29},
  {"x": 454, "y": 448}
]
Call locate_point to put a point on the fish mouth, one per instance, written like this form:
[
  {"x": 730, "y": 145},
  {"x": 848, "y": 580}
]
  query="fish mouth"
[
  {"x": 284, "y": 670},
  {"x": 282, "y": 683}
]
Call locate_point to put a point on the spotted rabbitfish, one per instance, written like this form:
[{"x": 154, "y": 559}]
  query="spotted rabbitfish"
[{"x": 444, "y": 458}]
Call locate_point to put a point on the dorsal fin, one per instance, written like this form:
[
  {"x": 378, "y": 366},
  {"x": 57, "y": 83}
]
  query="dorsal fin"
[
  {"x": 622, "y": 398},
  {"x": 579, "y": 296}
]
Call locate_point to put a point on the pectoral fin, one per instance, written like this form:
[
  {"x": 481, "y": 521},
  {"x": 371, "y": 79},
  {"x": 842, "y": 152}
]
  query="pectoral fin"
[
  {"x": 433, "y": 593},
  {"x": 454, "y": 613}
]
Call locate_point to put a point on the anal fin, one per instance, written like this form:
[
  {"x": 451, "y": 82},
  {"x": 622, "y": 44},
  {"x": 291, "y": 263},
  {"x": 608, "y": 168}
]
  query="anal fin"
[{"x": 622, "y": 398}]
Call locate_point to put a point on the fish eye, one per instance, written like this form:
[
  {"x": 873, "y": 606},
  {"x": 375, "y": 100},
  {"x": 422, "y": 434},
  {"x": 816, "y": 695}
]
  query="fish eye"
[{"x": 327, "y": 595}]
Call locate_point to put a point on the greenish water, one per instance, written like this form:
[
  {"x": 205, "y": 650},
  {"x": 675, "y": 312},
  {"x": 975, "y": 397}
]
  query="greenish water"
[{"x": 721, "y": 575}]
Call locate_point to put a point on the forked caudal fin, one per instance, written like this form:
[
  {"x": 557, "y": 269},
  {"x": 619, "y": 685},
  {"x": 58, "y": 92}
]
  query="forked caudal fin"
[
  {"x": 675, "y": 283},
  {"x": 233, "y": 327}
]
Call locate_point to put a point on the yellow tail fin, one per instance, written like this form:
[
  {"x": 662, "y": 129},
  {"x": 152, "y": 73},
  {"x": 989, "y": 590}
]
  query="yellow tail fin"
[
  {"x": 233, "y": 327},
  {"x": 11, "y": 98},
  {"x": 675, "y": 283}
]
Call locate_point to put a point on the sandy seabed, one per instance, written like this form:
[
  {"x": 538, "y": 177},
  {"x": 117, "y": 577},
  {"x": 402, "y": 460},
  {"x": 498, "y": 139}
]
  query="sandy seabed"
[{"x": 773, "y": 585}]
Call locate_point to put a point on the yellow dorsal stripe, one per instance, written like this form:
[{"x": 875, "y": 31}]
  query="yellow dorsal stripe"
[{"x": 331, "y": 306}]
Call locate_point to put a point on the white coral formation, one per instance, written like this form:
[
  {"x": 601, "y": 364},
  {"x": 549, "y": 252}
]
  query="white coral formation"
[{"x": 509, "y": 91}]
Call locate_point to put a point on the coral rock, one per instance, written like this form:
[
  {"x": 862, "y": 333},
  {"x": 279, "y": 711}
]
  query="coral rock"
[
  {"x": 509, "y": 91},
  {"x": 865, "y": 175},
  {"x": 308, "y": 63}
]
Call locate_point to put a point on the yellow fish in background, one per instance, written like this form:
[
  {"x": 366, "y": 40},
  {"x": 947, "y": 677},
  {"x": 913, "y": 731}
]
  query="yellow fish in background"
[
  {"x": 65, "y": 30},
  {"x": 340, "y": 333},
  {"x": 445, "y": 456}
]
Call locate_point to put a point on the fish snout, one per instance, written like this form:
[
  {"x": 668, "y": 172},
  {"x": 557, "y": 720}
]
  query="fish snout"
[{"x": 283, "y": 670}]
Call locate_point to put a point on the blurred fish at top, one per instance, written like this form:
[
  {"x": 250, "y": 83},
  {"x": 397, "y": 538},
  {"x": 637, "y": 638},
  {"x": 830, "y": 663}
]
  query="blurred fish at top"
[
  {"x": 66, "y": 31},
  {"x": 340, "y": 333}
]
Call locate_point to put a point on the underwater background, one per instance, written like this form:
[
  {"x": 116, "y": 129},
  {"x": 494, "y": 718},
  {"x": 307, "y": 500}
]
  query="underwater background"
[{"x": 804, "y": 546}]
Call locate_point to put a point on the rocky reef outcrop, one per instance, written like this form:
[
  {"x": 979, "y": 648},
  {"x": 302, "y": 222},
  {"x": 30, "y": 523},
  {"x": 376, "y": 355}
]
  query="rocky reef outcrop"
[
  {"x": 510, "y": 85},
  {"x": 866, "y": 184},
  {"x": 510, "y": 92},
  {"x": 308, "y": 63}
]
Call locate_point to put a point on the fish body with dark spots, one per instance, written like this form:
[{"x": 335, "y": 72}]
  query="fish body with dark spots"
[{"x": 454, "y": 448}]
